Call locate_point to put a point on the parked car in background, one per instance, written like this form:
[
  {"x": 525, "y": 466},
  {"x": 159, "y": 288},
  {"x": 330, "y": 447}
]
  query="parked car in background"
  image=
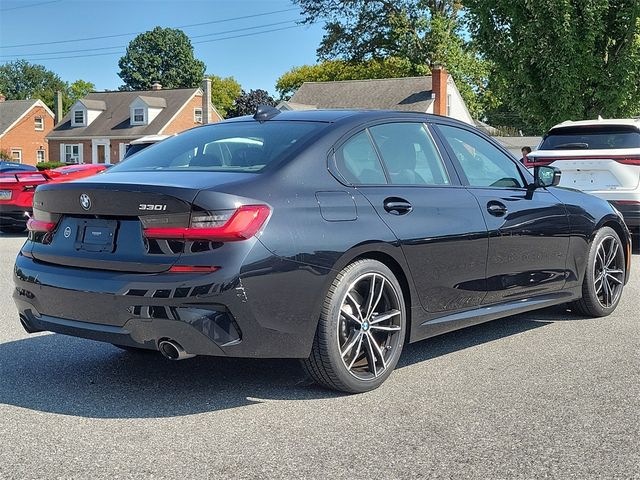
[
  {"x": 601, "y": 157},
  {"x": 17, "y": 189},
  {"x": 15, "y": 167},
  {"x": 330, "y": 236},
  {"x": 141, "y": 143}
]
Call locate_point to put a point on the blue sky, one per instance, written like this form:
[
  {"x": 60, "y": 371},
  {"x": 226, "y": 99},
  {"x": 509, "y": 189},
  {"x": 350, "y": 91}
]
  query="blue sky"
[{"x": 255, "y": 60}]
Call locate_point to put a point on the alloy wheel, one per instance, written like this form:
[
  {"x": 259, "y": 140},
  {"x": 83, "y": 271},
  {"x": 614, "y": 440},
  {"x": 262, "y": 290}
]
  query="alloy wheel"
[
  {"x": 608, "y": 271},
  {"x": 369, "y": 327}
]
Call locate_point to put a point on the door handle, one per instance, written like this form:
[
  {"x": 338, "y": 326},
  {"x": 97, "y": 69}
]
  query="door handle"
[
  {"x": 397, "y": 206},
  {"x": 497, "y": 209}
]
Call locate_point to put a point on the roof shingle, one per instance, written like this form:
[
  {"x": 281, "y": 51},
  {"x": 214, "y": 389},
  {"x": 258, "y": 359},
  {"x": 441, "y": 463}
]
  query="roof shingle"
[{"x": 12, "y": 110}]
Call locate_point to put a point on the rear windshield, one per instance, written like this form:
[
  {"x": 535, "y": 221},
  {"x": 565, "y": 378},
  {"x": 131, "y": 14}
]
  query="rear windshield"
[
  {"x": 225, "y": 147},
  {"x": 591, "y": 138}
]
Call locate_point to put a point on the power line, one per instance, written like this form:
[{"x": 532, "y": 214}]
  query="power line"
[
  {"x": 202, "y": 41},
  {"x": 95, "y": 49},
  {"x": 28, "y": 6},
  {"x": 136, "y": 33}
]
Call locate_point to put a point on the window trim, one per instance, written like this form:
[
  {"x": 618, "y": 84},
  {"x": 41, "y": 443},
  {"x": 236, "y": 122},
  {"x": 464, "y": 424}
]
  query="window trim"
[
  {"x": 133, "y": 116},
  {"x": 72, "y": 157},
  {"x": 75, "y": 122},
  {"x": 195, "y": 115},
  {"x": 525, "y": 175},
  {"x": 44, "y": 155},
  {"x": 19, "y": 152},
  {"x": 39, "y": 118}
]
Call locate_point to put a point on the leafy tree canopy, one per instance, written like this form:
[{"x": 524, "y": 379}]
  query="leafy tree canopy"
[
  {"x": 332, "y": 70},
  {"x": 422, "y": 32},
  {"x": 224, "y": 91},
  {"x": 21, "y": 80},
  {"x": 248, "y": 102},
  {"x": 162, "y": 55},
  {"x": 557, "y": 60}
]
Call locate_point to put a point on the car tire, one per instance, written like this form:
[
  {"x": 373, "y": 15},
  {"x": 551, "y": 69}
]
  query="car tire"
[
  {"x": 604, "y": 276},
  {"x": 12, "y": 229},
  {"x": 361, "y": 330}
]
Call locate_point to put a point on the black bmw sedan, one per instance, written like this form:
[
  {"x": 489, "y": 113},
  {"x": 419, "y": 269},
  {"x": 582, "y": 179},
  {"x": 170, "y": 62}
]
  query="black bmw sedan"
[{"x": 330, "y": 236}]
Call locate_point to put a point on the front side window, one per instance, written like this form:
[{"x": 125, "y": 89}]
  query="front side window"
[
  {"x": 225, "y": 147},
  {"x": 40, "y": 155},
  {"x": 483, "y": 164},
  {"x": 138, "y": 115},
  {"x": 16, "y": 155},
  {"x": 39, "y": 123},
  {"x": 78, "y": 117},
  {"x": 409, "y": 154},
  {"x": 358, "y": 162}
]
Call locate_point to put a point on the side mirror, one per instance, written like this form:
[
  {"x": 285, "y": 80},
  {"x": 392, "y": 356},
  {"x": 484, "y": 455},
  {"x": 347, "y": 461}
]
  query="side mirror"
[{"x": 546, "y": 176}]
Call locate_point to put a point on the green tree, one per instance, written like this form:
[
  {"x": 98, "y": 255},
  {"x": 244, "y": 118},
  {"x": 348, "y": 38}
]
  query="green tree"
[
  {"x": 224, "y": 91},
  {"x": 562, "y": 59},
  {"x": 162, "y": 55},
  {"x": 422, "y": 32},
  {"x": 332, "y": 70},
  {"x": 20, "y": 80},
  {"x": 248, "y": 102}
]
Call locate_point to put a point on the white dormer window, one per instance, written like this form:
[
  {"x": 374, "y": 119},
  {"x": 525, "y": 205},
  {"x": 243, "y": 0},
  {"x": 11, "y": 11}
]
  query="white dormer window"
[
  {"x": 197, "y": 115},
  {"x": 137, "y": 118},
  {"x": 78, "y": 117}
]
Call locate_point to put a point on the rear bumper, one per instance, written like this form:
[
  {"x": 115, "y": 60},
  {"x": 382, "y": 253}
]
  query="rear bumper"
[
  {"x": 13, "y": 216},
  {"x": 207, "y": 314}
]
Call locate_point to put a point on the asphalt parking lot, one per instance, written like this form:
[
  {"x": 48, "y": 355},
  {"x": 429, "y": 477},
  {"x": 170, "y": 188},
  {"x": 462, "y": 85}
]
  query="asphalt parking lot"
[{"x": 541, "y": 395}]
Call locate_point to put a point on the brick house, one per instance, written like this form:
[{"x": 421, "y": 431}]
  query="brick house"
[
  {"x": 436, "y": 93},
  {"x": 99, "y": 127},
  {"x": 24, "y": 125}
]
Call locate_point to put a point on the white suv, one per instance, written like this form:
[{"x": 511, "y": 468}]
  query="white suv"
[{"x": 601, "y": 157}]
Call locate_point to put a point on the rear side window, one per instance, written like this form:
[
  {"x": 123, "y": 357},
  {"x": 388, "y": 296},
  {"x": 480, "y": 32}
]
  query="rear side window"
[
  {"x": 591, "y": 138},
  {"x": 358, "y": 162},
  {"x": 409, "y": 154},
  {"x": 483, "y": 164},
  {"x": 225, "y": 147}
]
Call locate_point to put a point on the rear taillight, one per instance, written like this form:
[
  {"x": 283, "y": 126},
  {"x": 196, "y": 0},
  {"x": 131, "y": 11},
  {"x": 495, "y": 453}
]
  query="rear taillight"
[
  {"x": 628, "y": 161},
  {"x": 34, "y": 225},
  {"x": 223, "y": 226}
]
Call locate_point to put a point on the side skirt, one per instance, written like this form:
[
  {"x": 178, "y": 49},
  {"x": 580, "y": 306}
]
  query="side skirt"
[{"x": 425, "y": 325}]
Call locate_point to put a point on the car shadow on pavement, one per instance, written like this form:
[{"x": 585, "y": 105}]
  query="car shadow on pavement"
[{"x": 70, "y": 376}]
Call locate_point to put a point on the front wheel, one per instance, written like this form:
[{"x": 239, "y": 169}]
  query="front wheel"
[
  {"x": 361, "y": 329},
  {"x": 604, "y": 277}
]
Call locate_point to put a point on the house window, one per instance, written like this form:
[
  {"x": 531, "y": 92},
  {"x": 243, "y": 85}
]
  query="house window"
[
  {"x": 448, "y": 105},
  {"x": 16, "y": 155},
  {"x": 197, "y": 115},
  {"x": 40, "y": 154},
  {"x": 39, "y": 123},
  {"x": 78, "y": 117},
  {"x": 72, "y": 153},
  {"x": 138, "y": 115}
]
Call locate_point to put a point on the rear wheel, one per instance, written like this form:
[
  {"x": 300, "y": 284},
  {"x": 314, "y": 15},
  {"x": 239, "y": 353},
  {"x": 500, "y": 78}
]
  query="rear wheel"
[
  {"x": 604, "y": 277},
  {"x": 361, "y": 329}
]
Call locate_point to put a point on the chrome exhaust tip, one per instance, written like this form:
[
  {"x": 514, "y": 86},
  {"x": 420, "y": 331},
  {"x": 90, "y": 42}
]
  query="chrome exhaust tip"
[{"x": 173, "y": 351}]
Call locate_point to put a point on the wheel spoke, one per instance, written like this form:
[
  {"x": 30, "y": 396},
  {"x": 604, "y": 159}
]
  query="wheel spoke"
[
  {"x": 372, "y": 294},
  {"x": 615, "y": 271},
  {"x": 384, "y": 316},
  {"x": 612, "y": 252},
  {"x": 351, "y": 344},
  {"x": 377, "y": 302},
  {"x": 350, "y": 316},
  {"x": 371, "y": 356},
  {"x": 357, "y": 305},
  {"x": 377, "y": 350},
  {"x": 386, "y": 328},
  {"x": 617, "y": 280},
  {"x": 607, "y": 293},
  {"x": 600, "y": 255},
  {"x": 600, "y": 280},
  {"x": 357, "y": 354}
]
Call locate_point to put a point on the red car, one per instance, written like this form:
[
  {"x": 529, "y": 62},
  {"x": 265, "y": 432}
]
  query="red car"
[{"x": 17, "y": 189}]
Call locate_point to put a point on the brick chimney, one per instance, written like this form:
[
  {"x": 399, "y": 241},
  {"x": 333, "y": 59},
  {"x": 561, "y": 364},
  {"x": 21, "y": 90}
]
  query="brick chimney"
[
  {"x": 156, "y": 86},
  {"x": 439, "y": 78},
  {"x": 57, "y": 107},
  {"x": 207, "y": 114},
  {"x": 2, "y": 97}
]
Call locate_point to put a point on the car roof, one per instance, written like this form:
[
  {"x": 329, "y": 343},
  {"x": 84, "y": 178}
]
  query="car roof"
[
  {"x": 335, "y": 115},
  {"x": 627, "y": 122}
]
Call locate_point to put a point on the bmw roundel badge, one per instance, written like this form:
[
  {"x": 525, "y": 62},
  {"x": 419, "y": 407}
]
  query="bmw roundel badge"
[{"x": 85, "y": 201}]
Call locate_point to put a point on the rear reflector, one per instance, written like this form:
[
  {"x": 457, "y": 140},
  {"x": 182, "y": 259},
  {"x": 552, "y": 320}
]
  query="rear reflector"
[
  {"x": 40, "y": 226},
  {"x": 244, "y": 223},
  {"x": 192, "y": 269}
]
